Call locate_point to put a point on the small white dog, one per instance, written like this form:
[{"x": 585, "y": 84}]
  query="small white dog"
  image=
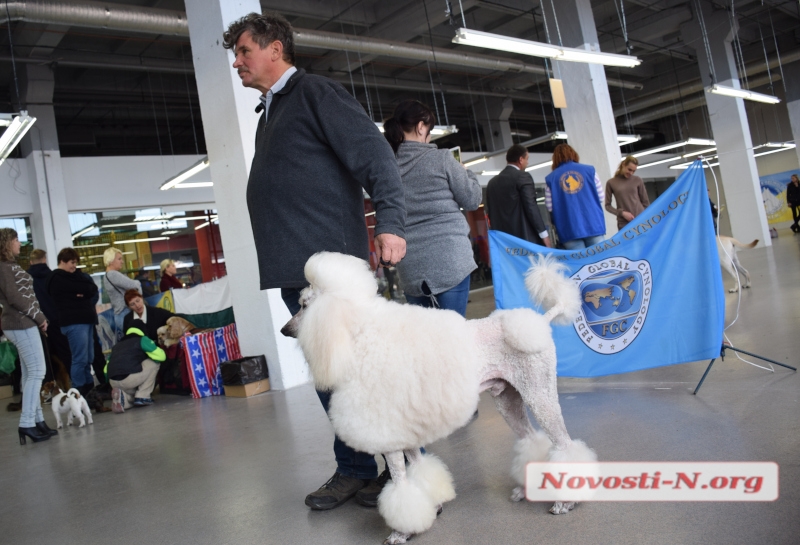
[
  {"x": 73, "y": 405},
  {"x": 726, "y": 247},
  {"x": 403, "y": 376}
]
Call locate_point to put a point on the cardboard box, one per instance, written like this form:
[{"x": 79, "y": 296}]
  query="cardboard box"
[
  {"x": 6, "y": 392},
  {"x": 248, "y": 390}
]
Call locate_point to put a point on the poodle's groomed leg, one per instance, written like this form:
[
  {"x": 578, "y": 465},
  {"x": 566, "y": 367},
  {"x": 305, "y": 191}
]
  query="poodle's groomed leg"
[
  {"x": 392, "y": 498},
  {"x": 532, "y": 446},
  {"x": 547, "y": 411},
  {"x": 430, "y": 474}
]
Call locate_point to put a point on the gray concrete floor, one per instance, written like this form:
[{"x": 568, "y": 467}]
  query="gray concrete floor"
[{"x": 236, "y": 471}]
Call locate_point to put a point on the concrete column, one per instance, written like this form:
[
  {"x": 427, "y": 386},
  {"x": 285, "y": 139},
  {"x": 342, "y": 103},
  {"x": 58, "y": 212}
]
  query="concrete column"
[
  {"x": 588, "y": 117},
  {"x": 493, "y": 117},
  {"x": 730, "y": 128},
  {"x": 50, "y": 220},
  {"x": 229, "y": 122},
  {"x": 792, "y": 74}
]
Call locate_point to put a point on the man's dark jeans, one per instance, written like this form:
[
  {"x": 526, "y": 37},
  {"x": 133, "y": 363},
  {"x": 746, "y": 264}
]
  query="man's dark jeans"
[{"x": 350, "y": 462}]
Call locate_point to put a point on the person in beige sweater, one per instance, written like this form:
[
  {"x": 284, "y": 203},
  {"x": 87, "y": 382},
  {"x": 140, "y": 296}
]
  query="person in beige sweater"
[
  {"x": 628, "y": 191},
  {"x": 21, "y": 321}
]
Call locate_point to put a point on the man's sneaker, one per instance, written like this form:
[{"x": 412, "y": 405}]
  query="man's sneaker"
[
  {"x": 368, "y": 496},
  {"x": 335, "y": 492},
  {"x": 117, "y": 400},
  {"x": 142, "y": 402}
]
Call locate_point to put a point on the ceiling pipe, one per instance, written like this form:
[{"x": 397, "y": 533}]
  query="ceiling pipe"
[{"x": 84, "y": 13}]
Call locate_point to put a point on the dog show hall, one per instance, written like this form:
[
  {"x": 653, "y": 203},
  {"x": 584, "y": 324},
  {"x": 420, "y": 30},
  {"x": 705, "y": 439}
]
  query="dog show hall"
[{"x": 618, "y": 366}]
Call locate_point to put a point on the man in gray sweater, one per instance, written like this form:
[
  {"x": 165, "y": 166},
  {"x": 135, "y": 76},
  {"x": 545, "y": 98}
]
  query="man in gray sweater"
[{"x": 316, "y": 152}]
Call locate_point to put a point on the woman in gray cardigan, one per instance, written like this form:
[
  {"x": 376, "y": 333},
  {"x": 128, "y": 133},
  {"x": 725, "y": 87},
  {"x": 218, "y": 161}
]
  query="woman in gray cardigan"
[
  {"x": 116, "y": 284},
  {"x": 21, "y": 321},
  {"x": 439, "y": 258}
]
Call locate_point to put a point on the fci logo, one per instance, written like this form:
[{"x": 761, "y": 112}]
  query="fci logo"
[{"x": 616, "y": 297}]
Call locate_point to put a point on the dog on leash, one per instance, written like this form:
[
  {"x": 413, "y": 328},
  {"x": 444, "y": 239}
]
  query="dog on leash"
[
  {"x": 403, "y": 376},
  {"x": 726, "y": 247},
  {"x": 72, "y": 405}
]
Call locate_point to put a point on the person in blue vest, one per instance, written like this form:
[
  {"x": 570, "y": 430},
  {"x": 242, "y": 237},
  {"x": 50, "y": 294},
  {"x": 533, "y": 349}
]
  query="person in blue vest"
[{"x": 574, "y": 197}]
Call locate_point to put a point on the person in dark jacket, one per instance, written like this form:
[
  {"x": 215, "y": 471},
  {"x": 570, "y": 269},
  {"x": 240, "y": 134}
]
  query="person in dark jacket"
[
  {"x": 316, "y": 151},
  {"x": 793, "y": 200},
  {"x": 57, "y": 342},
  {"x": 151, "y": 317},
  {"x": 75, "y": 294},
  {"x": 132, "y": 369},
  {"x": 168, "y": 279},
  {"x": 511, "y": 200}
]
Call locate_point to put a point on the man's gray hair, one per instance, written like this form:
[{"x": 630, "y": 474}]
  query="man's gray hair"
[{"x": 264, "y": 29}]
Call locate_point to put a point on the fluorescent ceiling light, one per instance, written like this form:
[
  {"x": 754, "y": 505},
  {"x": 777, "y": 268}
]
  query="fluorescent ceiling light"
[
  {"x": 573, "y": 54},
  {"x": 540, "y": 165},
  {"x": 625, "y": 139},
  {"x": 137, "y": 240},
  {"x": 487, "y": 40},
  {"x": 679, "y": 157},
  {"x": 775, "y": 147},
  {"x": 84, "y": 231},
  {"x": 665, "y": 147},
  {"x": 81, "y": 267},
  {"x": 201, "y": 226},
  {"x": 436, "y": 132},
  {"x": 742, "y": 93},
  {"x": 202, "y": 164},
  {"x": 156, "y": 218},
  {"x": 476, "y": 161},
  {"x": 79, "y": 246},
  {"x": 18, "y": 127},
  {"x": 6, "y": 119},
  {"x": 171, "y": 232},
  {"x": 490, "y": 172},
  {"x": 189, "y": 185}
]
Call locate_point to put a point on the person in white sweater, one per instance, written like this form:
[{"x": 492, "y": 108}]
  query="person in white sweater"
[{"x": 115, "y": 285}]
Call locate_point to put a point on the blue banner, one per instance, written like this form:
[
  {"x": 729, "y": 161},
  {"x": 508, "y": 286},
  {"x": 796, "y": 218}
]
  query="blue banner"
[{"x": 652, "y": 293}]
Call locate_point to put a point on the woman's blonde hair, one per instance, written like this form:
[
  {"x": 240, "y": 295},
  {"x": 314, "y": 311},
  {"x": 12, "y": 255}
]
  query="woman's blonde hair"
[
  {"x": 7, "y": 236},
  {"x": 110, "y": 255},
  {"x": 166, "y": 263},
  {"x": 625, "y": 162}
]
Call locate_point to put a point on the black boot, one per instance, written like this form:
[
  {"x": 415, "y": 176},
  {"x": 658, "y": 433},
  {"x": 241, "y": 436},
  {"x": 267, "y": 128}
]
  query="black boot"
[
  {"x": 33, "y": 433},
  {"x": 44, "y": 428}
]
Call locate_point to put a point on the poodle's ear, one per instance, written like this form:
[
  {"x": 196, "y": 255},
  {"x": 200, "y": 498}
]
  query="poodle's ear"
[{"x": 326, "y": 339}]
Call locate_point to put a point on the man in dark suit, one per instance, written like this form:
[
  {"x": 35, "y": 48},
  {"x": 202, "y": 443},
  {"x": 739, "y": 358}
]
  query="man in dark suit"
[
  {"x": 153, "y": 317},
  {"x": 511, "y": 200}
]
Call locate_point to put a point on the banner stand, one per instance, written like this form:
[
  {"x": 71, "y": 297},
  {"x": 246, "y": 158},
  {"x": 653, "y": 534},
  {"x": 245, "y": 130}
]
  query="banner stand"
[{"x": 722, "y": 355}]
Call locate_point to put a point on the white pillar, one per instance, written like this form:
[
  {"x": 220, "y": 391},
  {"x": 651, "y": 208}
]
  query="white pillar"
[
  {"x": 50, "y": 228},
  {"x": 588, "y": 118},
  {"x": 737, "y": 166},
  {"x": 229, "y": 123}
]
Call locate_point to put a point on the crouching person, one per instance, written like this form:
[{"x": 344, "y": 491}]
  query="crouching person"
[{"x": 132, "y": 368}]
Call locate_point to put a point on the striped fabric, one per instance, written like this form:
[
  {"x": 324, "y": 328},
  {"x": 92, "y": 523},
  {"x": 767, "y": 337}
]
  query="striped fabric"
[{"x": 204, "y": 354}]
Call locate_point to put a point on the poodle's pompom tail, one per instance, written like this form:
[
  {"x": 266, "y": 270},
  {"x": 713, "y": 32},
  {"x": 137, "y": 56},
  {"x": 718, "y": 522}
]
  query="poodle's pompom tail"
[
  {"x": 434, "y": 478},
  {"x": 526, "y": 330},
  {"x": 340, "y": 275},
  {"x": 554, "y": 292},
  {"x": 534, "y": 448},
  {"x": 577, "y": 451},
  {"x": 406, "y": 507}
]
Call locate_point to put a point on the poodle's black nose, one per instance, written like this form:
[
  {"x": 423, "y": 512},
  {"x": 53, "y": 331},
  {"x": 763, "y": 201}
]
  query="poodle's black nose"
[{"x": 288, "y": 330}]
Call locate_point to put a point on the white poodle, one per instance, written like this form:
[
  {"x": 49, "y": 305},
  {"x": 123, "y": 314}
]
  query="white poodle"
[{"x": 403, "y": 376}]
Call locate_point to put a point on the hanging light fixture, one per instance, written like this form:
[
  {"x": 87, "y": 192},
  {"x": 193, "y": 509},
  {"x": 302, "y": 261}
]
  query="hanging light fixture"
[
  {"x": 176, "y": 180},
  {"x": 438, "y": 131},
  {"x": 17, "y": 128},
  {"x": 746, "y": 94},
  {"x": 487, "y": 40}
]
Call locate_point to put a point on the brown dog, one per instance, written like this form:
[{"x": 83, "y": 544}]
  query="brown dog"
[{"x": 176, "y": 328}]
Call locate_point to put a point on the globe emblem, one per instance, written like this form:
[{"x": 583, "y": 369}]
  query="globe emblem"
[{"x": 615, "y": 295}]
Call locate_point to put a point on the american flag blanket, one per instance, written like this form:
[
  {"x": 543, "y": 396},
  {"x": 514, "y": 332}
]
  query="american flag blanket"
[{"x": 204, "y": 352}]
